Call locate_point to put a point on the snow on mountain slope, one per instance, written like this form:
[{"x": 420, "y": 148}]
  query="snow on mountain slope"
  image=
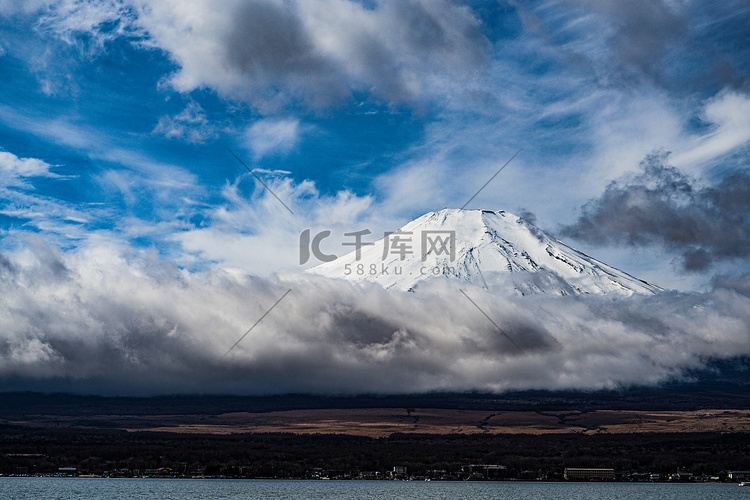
[{"x": 495, "y": 250}]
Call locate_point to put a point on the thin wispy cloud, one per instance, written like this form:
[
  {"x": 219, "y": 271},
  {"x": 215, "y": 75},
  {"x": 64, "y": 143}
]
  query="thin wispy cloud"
[
  {"x": 190, "y": 125},
  {"x": 273, "y": 136}
]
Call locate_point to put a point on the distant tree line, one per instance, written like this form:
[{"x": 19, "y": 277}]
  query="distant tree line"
[{"x": 25, "y": 450}]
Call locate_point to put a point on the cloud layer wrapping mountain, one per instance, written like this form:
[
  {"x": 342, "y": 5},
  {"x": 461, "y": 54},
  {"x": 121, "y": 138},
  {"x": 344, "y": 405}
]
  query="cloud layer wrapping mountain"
[{"x": 107, "y": 321}]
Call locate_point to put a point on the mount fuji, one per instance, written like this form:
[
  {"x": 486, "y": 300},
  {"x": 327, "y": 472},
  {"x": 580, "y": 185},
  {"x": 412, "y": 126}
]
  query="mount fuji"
[{"x": 495, "y": 250}]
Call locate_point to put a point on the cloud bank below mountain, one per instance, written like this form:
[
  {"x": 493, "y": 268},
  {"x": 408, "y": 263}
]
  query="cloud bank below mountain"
[{"x": 109, "y": 321}]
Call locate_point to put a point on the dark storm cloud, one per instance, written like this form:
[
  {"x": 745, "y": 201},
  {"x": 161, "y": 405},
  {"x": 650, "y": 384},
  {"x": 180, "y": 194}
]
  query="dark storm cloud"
[
  {"x": 662, "y": 205},
  {"x": 269, "y": 44},
  {"x": 120, "y": 325}
]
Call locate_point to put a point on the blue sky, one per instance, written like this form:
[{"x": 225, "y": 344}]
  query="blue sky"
[{"x": 116, "y": 116}]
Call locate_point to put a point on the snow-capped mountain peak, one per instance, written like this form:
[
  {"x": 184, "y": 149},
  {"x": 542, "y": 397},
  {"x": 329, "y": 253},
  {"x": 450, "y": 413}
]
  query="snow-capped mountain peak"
[{"x": 495, "y": 250}]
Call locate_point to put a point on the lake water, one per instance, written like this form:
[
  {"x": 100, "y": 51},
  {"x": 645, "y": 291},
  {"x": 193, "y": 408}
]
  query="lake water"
[{"x": 210, "y": 489}]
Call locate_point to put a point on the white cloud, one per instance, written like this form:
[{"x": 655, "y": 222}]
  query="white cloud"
[
  {"x": 272, "y": 136},
  {"x": 316, "y": 51},
  {"x": 256, "y": 233},
  {"x": 273, "y": 52},
  {"x": 190, "y": 125},
  {"x": 14, "y": 167},
  {"x": 729, "y": 116},
  {"x": 13, "y": 7},
  {"x": 102, "y": 20},
  {"x": 20, "y": 200}
]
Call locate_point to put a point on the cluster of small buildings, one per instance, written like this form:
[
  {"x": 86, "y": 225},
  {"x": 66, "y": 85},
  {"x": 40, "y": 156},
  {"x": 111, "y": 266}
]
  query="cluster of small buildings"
[
  {"x": 604, "y": 474},
  {"x": 473, "y": 472},
  {"x": 486, "y": 472},
  {"x": 401, "y": 473}
]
